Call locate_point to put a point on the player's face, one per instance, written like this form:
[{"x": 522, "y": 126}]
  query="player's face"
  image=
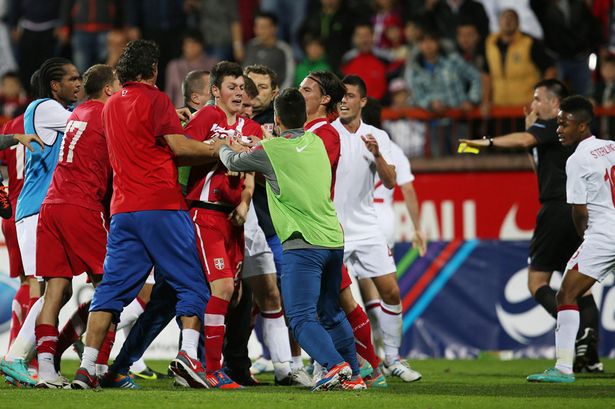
[
  {"x": 351, "y": 105},
  {"x": 265, "y": 92},
  {"x": 200, "y": 98},
  {"x": 247, "y": 106},
  {"x": 68, "y": 88},
  {"x": 544, "y": 104},
  {"x": 230, "y": 95},
  {"x": 115, "y": 86},
  {"x": 312, "y": 94},
  {"x": 569, "y": 130}
]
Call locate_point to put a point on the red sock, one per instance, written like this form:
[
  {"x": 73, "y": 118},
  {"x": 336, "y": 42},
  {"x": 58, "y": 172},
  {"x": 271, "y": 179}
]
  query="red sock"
[
  {"x": 74, "y": 328},
  {"x": 362, "y": 331},
  {"x": 105, "y": 349},
  {"x": 46, "y": 338},
  {"x": 31, "y": 302},
  {"x": 215, "y": 314},
  {"x": 20, "y": 306}
]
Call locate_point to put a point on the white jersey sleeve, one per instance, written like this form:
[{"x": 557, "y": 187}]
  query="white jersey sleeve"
[
  {"x": 50, "y": 118},
  {"x": 402, "y": 165},
  {"x": 576, "y": 180}
]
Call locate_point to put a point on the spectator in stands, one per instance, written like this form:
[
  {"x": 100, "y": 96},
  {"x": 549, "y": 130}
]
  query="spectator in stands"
[
  {"x": 439, "y": 82},
  {"x": 116, "y": 41},
  {"x": 193, "y": 58},
  {"x": 472, "y": 50},
  {"x": 162, "y": 21},
  {"x": 413, "y": 31},
  {"x": 85, "y": 23},
  {"x": 290, "y": 15},
  {"x": 604, "y": 94},
  {"x": 266, "y": 49},
  {"x": 387, "y": 16},
  {"x": 33, "y": 24},
  {"x": 445, "y": 15},
  {"x": 221, "y": 27},
  {"x": 315, "y": 59},
  {"x": 7, "y": 59},
  {"x": 571, "y": 33},
  {"x": 527, "y": 19},
  {"x": 334, "y": 23},
  {"x": 516, "y": 62},
  {"x": 367, "y": 62},
  {"x": 409, "y": 134},
  {"x": 13, "y": 98}
]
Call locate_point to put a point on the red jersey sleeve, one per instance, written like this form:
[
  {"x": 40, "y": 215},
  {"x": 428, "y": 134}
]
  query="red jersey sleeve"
[{"x": 165, "y": 120}]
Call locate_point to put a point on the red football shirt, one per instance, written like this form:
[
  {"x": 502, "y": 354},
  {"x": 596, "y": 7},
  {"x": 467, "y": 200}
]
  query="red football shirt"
[
  {"x": 135, "y": 121},
  {"x": 14, "y": 158},
  {"x": 331, "y": 139},
  {"x": 211, "y": 183},
  {"x": 82, "y": 174}
]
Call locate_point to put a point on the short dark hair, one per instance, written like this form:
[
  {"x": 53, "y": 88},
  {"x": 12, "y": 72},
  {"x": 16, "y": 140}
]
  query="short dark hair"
[
  {"x": 249, "y": 87},
  {"x": 52, "y": 69},
  {"x": 555, "y": 87},
  {"x": 221, "y": 70},
  {"x": 512, "y": 11},
  {"x": 96, "y": 78},
  {"x": 194, "y": 35},
  {"x": 356, "y": 81},
  {"x": 193, "y": 82},
  {"x": 289, "y": 106},
  {"x": 265, "y": 14},
  {"x": 263, "y": 70},
  {"x": 138, "y": 61},
  {"x": 331, "y": 85},
  {"x": 371, "y": 113},
  {"x": 579, "y": 106}
]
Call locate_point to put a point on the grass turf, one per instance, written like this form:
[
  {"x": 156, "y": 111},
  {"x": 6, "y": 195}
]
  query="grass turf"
[{"x": 445, "y": 384}]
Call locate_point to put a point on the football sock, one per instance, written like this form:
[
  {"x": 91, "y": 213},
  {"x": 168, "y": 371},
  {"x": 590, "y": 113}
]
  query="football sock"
[
  {"x": 130, "y": 313},
  {"x": 297, "y": 362},
  {"x": 190, "y": 340},
  {"x": 215, "y": 314},
  {"x": 105, "y": 348},
  {"x": 589, "y": 317},
  {"x": 32, "y": 301},
  {"x": 363, "y": 335},
  {"x": 258, "y": 330},
  {"x": 565, "y": 335},
  {"x": 19, "y": 309},
  {"x": 545, "y": 296},
  {"x": 24, "y": 345},
  {"x": 276, "y": 338},
  {"x": 73, "y": 329},
  {"x": 88, "y": 360},
  {"x": 371, "y": 309},
  {"x": 138, "y": 366},
  {"x": 390, "y": 323},
  {"x": 46, "y": 342}
]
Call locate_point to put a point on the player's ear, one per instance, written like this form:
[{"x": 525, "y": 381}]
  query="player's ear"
[{"x": 215, "y": 92}]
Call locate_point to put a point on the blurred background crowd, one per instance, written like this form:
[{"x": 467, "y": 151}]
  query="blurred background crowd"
[{"x": 456, "y": 61}]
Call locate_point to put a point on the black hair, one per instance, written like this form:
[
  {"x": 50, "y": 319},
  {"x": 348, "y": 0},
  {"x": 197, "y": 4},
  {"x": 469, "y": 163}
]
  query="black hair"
[
  {"x": 331, "y": 85},
  {"x": 194, "y": 35},
  {"x": 371, "y": 113},
  {"x": 52, "y": 69},
  {"x": 96, "y": 78},
  {"x": 289, "y": 106},
  {"x": 579, "y": 106},
  {"x": 192, "y": 83},
  {"x": 224, "y": 69},
  {"x": 249, "y": 87},
  {"x": 356, "y": 81},
  {"x": 263, "y": 70},
  {"x": 555, "y": 87},
  {"x": 513, "y": 11},
  {"x": 138, "y": 61},
  {"x": 265, "y": 14}
]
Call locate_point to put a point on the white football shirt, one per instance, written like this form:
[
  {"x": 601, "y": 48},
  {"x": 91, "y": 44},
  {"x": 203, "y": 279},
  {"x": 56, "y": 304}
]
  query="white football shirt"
[
  {"x": 590, "y": 173},
  {"x": 355, "y": 179}
]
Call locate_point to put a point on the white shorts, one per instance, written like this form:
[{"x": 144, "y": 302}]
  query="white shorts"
[
  {"x": 368, "y": 258},
  {"x": 26, "y": 237},
  {"x": 594, "y": 258},
  {"x": 258, "y": 258},
  {"x": 150, "y": 278},
  {"x": 386, "y": 221}
]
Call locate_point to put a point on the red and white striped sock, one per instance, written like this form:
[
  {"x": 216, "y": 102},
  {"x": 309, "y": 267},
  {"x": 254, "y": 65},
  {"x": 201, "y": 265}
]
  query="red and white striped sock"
[
  {"x": 46, "y": 343},
  {"x": 73, "y": 329}
]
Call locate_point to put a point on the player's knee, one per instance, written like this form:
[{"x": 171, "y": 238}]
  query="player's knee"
[{"x": 391, "y": 295}]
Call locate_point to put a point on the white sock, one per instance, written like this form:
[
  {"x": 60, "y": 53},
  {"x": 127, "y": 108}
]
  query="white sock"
[
  {"x": 88, "y": 359},
  {"x": 318, "y": 370},
  {"x": 24, "y": 346},
  {"x": 297, "y": 362},
  {"x": 101, "y": 370},
  {"x": 281, "y": 370},
  {"x": 130, "y": 314},
  {"x": 275, "y": 333},
  {"x": 190, "y": 340},
  {"x": 391, "y": 324},
  {"x": 138, "y": 366},
  {"x": 565, "y": 336},
  {"x": 371, "y": 309},
  {"x": 46, "y": 368}
]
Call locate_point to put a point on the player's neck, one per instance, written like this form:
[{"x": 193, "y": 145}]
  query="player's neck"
[
  {"x": 353, "y": 125},
  {"x": 231, "y": 118},
  {"x": 316, "y": 115}
]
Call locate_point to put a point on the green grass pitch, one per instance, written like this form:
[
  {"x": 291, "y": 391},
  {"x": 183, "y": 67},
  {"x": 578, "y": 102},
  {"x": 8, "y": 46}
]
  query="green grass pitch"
[{"x": 446, "y": 384}]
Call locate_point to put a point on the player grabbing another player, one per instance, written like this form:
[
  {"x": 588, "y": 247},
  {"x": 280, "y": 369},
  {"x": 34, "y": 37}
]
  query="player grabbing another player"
[{"x": 590, "y": 189}]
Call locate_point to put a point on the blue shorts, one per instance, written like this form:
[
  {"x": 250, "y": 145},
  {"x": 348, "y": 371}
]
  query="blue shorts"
[
  {"x": 276, "y": 248},
  {"x": 136, "y": 242}
]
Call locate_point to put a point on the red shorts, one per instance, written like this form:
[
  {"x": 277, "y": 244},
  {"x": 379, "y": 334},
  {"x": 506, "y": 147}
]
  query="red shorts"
[
  {"x": 220, "y": 244},
  {"x": 346, "y": 280},
  {"x": 12, "y": 246},
  {"x": 71, "y": 240}
]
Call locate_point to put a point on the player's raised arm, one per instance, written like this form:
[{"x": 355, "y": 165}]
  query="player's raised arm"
[{"x": 26, "y": 140}]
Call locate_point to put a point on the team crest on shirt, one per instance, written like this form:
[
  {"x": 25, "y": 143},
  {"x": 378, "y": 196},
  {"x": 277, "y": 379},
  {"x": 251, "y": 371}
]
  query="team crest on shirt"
[{"x": 219, "y": 263}]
